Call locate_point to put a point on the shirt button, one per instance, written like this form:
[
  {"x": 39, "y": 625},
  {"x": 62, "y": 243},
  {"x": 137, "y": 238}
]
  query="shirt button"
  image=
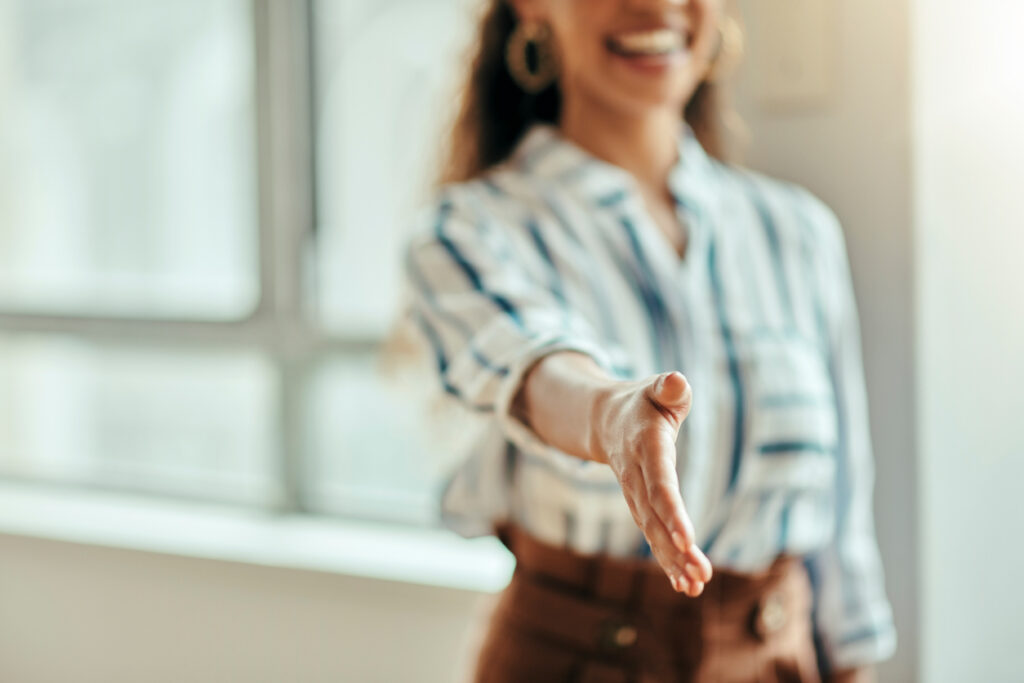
[
  {"x": 619, "y": 635},
  {"x": 773, "y": 613},
  {"x": 625, "y": 635}
]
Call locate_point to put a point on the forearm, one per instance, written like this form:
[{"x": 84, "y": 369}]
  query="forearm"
[{"x": 558, "y": 399}]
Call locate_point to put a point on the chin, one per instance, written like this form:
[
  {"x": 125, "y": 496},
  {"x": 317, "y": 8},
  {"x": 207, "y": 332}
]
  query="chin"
[{"x": 639, "y": 98}]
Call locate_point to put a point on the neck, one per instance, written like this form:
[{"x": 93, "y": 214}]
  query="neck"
[{"x": 642, "y": 143}]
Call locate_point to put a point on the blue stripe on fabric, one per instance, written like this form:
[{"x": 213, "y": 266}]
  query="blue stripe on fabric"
[
  {"x": 632, "y": 280},
  {"x": 511, "y": 460},
  {"x": 568, "y": 528},
  {"x": 556, "y": 279},
  {"x": 442, "y": 366},
  {"x": 777, "y": 447},
  {"x": 667, "y": 337},
  {"x": 598, "y": 291},
  {"x": 772, "y": 233},
  {"x": 814, "y": 578},
  {"x": 784, "y": 516},
  {"x": 734, "y": 368},
  {"x": 843, "y": 489},
  {"x": 428, "y": 294},
  {"x": 739, "y": 413},
  {"x": 612, "y": 199},
  {"x": 469, "y": 271},
  {"x": 712, "y": 539}
]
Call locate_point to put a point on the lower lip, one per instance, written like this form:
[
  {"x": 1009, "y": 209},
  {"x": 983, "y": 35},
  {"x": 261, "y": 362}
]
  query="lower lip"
[{"x": 652, "y": 64}]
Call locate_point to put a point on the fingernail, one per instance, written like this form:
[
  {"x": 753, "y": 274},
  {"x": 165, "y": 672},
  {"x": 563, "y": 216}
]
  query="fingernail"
[{"x": 677, "y": 538}]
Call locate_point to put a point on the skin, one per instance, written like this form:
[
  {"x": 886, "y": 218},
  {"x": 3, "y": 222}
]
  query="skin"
[{"x": 628, "y": 116}]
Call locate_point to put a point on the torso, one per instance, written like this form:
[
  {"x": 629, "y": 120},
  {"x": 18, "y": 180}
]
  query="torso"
[{"x": 740, "y": 323}]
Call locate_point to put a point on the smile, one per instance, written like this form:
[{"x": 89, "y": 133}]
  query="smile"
[{"x": 662, "y": 41}]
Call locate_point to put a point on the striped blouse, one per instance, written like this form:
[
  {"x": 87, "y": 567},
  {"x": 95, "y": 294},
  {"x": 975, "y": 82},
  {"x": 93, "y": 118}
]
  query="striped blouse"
[{"x": 553, "y": 250}]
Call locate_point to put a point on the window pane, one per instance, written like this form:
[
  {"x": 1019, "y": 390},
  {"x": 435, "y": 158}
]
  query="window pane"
[
  {"x": 377, "y": 448},
  {"x": 196, "y": 423},
  {"x": 127, "y": 157},
  {"x": 379, "y": 111}
]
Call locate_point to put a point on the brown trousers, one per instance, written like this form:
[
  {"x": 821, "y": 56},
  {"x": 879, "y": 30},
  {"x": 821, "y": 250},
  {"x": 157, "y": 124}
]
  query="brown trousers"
[{"x": 569, "y": 617}]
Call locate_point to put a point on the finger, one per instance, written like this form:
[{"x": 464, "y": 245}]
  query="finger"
[
  {"x": 662, "y": 548},
  {"x": 700, "y": 562},
  {"x": 659, "y": 473},
  {"x": 668, "y": 558},
  {"x": 667, "y": 502},
  {"x": 672, "y": 391},
  {"x": 696, "y": 572},
  {"x": 681, "y": 582}
]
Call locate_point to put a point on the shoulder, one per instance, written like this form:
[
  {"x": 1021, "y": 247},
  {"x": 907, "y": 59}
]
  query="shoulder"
[
  {"x": 484, "y": 218},
  {"x": 500, "y": 200},
  {"x": 787, "y": 205}
]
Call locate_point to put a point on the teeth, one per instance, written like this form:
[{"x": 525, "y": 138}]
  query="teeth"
[{"x": 650, "y": 42}]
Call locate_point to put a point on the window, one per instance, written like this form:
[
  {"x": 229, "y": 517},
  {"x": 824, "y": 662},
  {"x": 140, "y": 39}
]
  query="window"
[
  {"x": 127, "y": 158},
  {"x": 201, "y": 208}
]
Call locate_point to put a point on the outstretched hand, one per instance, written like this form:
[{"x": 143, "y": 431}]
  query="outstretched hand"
[{"x": 634, "y": 430}]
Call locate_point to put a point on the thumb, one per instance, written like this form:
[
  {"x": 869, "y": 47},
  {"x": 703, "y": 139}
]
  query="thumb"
[{"x": 672, "y": 391}]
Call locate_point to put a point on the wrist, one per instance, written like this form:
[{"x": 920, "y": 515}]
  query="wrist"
[
  {"x": 563, "y": 402},
  {"x": 599, "y": 400}
]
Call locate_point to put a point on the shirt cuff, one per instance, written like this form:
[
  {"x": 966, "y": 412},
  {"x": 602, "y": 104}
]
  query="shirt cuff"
[{"x": 863, "y": 647}]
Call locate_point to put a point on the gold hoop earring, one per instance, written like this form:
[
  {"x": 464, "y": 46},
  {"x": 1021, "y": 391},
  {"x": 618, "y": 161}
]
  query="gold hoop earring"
[
  {"x": 730, "y": 50},
  {"x": 527, "y": 36}
]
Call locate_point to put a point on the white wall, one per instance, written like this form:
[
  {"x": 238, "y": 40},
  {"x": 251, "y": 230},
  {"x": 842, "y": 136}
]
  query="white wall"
[
  {"x": 80, "y": 614},
  {"x": 969, "y": 161},
  {"x": 854, "y": 151}
]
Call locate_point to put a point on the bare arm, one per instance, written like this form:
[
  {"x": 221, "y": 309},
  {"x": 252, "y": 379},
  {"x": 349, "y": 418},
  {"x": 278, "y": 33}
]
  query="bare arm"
[{"x": 573, "y": 405}]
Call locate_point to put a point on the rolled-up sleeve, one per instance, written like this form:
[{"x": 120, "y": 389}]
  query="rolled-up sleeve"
[
  {"x": 853, "y": 617},
  {"x": 488, "y": 315}
]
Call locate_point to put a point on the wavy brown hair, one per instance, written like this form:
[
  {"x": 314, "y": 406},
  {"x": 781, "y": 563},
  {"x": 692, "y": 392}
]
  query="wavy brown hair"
[{"x": 495, "y": 112}]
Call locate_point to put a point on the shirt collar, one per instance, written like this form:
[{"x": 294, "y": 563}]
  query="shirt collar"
[{"x": 544, "y": 152}]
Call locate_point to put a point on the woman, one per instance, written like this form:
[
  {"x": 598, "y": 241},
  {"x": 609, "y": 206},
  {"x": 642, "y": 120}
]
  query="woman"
[{"x": 666, "y": 349}]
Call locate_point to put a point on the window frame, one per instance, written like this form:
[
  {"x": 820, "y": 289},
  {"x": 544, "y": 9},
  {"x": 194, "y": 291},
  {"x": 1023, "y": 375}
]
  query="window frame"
[{"x": 281, "y": 325}]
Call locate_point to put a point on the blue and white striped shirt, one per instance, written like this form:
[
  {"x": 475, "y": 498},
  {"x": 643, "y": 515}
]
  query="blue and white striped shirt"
[{"x": 553, "y": 250}]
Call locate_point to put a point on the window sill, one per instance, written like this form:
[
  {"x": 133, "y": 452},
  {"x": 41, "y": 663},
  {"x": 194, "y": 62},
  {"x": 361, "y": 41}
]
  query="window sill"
[{"x": 430, "y": 557}]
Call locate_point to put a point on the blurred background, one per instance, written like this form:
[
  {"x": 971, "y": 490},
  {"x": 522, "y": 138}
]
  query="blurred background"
[{"x": 205, "y": 477}]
